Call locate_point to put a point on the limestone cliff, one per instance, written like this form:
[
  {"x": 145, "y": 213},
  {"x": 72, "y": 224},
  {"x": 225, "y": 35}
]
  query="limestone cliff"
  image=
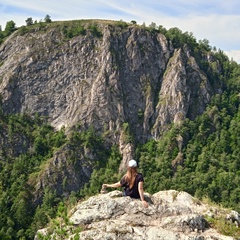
[
  {"x": 124, "y": 75},
  {"x": 171, "y": 215}
]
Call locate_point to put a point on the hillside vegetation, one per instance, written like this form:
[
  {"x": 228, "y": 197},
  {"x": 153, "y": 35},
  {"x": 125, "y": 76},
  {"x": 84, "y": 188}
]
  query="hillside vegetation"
[{"x": 200, "y": 156}]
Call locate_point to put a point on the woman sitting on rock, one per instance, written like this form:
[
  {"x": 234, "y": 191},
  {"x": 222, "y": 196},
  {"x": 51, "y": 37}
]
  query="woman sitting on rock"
[{"x": 132, "y": 182}]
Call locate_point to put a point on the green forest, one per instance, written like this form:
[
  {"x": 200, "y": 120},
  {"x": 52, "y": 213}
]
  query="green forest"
[{"x": 201, "y": 156}]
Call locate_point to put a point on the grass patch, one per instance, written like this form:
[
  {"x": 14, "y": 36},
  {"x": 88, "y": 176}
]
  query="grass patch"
[{"x": 223, "y": 226}]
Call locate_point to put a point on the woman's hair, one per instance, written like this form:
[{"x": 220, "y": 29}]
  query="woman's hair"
[{"x": 130, "y": 176}]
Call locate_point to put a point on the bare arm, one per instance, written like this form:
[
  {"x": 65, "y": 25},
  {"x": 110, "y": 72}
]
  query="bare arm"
[
  {"x": 114, "y": 185},
  {"x": 141, "y": 193}
]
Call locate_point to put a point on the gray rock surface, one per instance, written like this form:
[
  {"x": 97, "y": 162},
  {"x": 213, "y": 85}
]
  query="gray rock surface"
[
  {"x": 171, "y": 215},
  {"x": 127, "y": 75}
]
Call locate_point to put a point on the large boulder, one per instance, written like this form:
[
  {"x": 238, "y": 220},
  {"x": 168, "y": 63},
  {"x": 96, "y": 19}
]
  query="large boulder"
[{"x": 171, "y": 215}]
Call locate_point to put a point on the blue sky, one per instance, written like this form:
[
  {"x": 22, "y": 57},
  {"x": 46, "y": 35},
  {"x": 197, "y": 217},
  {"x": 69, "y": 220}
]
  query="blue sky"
[{"x": 216, "y": 20}]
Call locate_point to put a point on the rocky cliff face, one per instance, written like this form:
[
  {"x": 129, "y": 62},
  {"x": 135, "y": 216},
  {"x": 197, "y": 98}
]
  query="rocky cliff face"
[
  {"x": 171, "y": 215},
  {"x": 126, "y": 75},
  {"x": 63, "y": 174}
]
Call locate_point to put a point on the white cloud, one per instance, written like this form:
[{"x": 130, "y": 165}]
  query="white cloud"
[{"x": 234, "y": 54}]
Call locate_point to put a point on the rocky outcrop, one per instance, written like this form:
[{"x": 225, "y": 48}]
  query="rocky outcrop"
[{"x": 171, "y": 215}]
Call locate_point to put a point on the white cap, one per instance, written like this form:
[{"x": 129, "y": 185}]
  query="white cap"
[{"x": 132, "y": 163}]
